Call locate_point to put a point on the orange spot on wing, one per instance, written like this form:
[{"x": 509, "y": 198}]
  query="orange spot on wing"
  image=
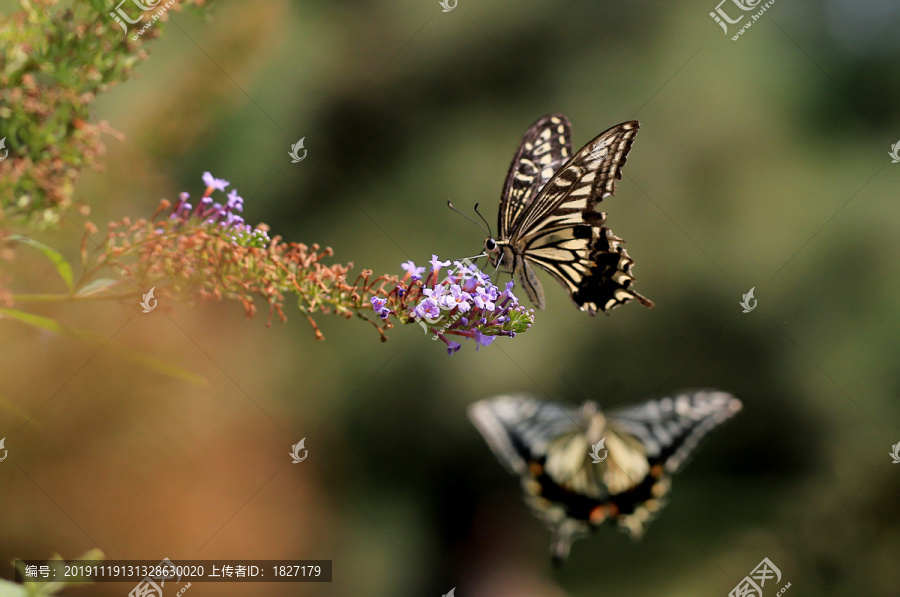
[
  {"x": 600, "y": 513},
  {"x": 597, "y": 515}
]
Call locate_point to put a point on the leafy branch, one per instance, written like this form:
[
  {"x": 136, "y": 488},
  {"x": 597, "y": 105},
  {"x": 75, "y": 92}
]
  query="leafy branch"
[{"x": 55, "y": 57}]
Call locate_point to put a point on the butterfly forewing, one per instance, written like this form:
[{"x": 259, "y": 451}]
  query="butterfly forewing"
[
  {"x": 544, "y": 148},
  {"x": 670, "y": 428},
  {"x": 519, "y": 429},
  {"x": 581, "y": 184}
]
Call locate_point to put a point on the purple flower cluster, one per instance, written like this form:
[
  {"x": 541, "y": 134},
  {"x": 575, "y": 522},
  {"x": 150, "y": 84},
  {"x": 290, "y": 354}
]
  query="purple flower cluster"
[
  {"x": 466, "y": 303},
  {"x": 224, "y": 216}
]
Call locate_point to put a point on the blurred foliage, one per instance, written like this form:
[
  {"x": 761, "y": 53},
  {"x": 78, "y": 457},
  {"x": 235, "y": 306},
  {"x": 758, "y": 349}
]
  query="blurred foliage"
[{"x": 55, "y": 57}]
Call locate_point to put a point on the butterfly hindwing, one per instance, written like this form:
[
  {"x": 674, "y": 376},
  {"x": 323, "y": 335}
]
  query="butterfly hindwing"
[
  {"x": 548, "y": 446},
  {"x": 544, "y": 148}
]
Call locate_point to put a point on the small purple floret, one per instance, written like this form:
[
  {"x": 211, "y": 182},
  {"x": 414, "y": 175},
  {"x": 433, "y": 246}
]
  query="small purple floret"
[
  {"x": 414, "y": 272},
  {"x": 216, "y": 183},
  {"x": 379, "y": 305},
  {"x": 235, "y": 202},
  {"x": 483, "y": 339},
  {"x": 437, "y": 264},
  {"x": 457, "y": 298},
  {"x": 484, "y": 299}
]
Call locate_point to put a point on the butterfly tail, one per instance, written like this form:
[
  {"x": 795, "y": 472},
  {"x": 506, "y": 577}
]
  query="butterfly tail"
[
  {"x": 642, "y": 299},
  {"x": 563, "y": 535},
  {"x": 559, "y": 549}
]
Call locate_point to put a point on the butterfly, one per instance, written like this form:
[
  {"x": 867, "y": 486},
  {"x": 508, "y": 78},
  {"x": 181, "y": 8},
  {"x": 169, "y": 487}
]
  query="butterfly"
[
  {"x": 547, "y": 216},
  {"x": 580, "y": 467}
]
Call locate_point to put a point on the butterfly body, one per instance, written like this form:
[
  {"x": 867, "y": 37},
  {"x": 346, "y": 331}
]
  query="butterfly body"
[
  {"x": 547, "y": 216},
  {"x": 548, "y": 446}
]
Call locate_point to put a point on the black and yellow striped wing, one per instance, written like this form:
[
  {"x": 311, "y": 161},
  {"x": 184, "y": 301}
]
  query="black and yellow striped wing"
[
  {"x": 548, "y": 445},
  {"x": 544, "y": 148},
  {"x": 670, "y": 428},
  {"x": 561, "y": 231},
  {"x": 666, "y": 432}
]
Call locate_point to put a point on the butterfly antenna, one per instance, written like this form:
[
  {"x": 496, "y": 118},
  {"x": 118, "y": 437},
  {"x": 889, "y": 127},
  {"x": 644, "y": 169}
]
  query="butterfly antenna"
[
  {"x": 490, "y": 234},
  {"x": 471, "y": 219}
]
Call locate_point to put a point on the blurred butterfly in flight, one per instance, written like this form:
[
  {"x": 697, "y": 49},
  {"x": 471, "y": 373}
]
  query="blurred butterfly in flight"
[
  {"x": 547, "y": 216},
  {"x": 548, "y": 446}
]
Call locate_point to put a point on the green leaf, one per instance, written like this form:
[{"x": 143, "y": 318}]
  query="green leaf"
[
  {"x": 152, "y": 363},
  {"x": 165, "y": 368},
  {"x": 51, "y": 325},
  {"x": 62, "y": 266},
  {"x": 11, "y": 589},
  {"x": 96, "y": 286}
]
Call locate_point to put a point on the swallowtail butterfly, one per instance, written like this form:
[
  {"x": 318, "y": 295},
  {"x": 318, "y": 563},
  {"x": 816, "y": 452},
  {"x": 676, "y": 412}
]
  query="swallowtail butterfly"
[
  {"x": 548, "y": 446},
  {"x": 547, "y": 216}
]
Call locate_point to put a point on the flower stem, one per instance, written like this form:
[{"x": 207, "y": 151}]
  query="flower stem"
[{"x": 58, "y": 298}]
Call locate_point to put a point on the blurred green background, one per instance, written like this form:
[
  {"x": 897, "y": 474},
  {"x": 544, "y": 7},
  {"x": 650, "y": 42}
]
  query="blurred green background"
[{"x": 760, "y": 163}]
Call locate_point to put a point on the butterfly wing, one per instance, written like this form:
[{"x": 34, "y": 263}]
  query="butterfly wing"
[
  {"x": 670, "y": 428},
  {"x": 520, "y": 428},
  {"x": 547, "y": 445},
  {"x": 561, "y": 231},
  {"x": 668, "y": 431},
  {"x": 544, "y": 445},
  {"x": 544, "y": 148}
]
